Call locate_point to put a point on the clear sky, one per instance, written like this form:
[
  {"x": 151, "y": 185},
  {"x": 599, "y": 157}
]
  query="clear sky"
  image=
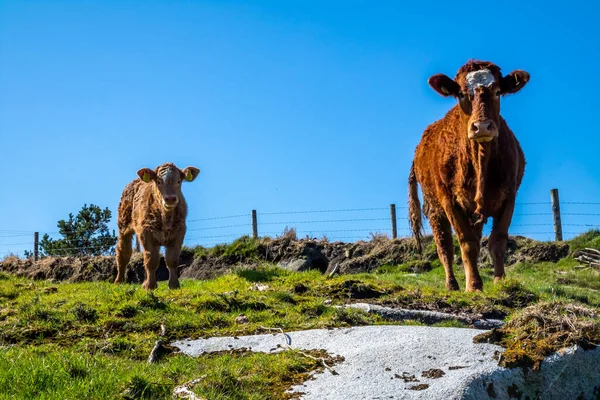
[{"x": 283, "y": 105}]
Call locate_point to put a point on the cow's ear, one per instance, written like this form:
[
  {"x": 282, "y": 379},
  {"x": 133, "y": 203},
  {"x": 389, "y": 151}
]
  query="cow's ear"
[
  {"x": 190, "y": 173},
  {"x": 146, "y": 175},
  {"x": 514, "y": 81},
  {"x": 444, "y": 85}
]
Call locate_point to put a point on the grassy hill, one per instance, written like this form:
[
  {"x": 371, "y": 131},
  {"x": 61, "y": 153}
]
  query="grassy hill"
[{"x": 62, "y": 339}]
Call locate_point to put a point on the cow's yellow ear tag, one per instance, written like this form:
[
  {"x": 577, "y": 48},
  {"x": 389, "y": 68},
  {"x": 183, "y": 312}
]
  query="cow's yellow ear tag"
[
  {"x": 146, "y": 177},
  {"x": 189, "y": 176}
]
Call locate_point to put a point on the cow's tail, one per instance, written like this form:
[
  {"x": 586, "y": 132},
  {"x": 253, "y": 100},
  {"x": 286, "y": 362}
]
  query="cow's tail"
[{"x": 414, "y": 208}]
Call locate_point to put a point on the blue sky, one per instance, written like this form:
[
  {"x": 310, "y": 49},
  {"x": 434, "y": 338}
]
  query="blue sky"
[{"x": 283, "y": 105}]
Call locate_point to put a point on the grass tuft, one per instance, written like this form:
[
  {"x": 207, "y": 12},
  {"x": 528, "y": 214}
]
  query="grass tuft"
[
  {"x": 84, "y": 313},
  {"x": 539, "y": 330}
]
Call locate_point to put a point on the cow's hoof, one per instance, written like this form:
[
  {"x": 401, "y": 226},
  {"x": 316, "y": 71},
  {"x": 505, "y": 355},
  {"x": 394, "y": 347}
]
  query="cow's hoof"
[
  {"x": 475, "y": 287},
  {"x": 452, "y": 284},
  {"x": 148, "y": 286}
]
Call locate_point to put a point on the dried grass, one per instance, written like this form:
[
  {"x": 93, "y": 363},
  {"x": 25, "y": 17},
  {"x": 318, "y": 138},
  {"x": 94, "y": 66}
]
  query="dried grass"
[{"x": 542, "y": 329}]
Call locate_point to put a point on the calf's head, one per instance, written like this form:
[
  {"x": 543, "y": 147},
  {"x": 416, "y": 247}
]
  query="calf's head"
[
  {"x": 478, "y": 86},
  {"x": 166, "y": 181}
]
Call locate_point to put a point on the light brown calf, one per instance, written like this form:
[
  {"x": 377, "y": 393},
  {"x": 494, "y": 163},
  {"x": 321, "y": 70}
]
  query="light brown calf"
[
  {"x": 470, "y": 166},
  {"x": 154, "y": 208}
]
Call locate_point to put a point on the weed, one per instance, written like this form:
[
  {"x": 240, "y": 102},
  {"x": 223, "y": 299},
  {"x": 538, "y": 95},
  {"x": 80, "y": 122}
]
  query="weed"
[
  {"x": 84, "y": 313},
  {"x": 127, "y": 311},
  {"x": 152, "y": 302}
]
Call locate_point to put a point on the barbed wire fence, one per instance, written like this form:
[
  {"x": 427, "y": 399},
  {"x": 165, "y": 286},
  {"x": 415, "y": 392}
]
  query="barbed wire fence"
[{"x": 543, "y": 220}]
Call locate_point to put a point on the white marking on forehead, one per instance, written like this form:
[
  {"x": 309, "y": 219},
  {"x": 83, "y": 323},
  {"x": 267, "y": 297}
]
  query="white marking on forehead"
[
  {"x": 166, "y": 173},
  {"x": 482, "y": 77}
]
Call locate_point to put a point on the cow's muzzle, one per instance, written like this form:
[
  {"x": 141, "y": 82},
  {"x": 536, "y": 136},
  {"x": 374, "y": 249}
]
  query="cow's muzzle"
[{"x": 483, "y": 131}]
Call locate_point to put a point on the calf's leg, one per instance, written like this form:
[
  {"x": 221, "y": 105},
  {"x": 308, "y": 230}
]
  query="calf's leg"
[
  {"x": 123, "y": 255},
  {"x": 172, "y": 260},
  {"x": 151, "y": 262}
]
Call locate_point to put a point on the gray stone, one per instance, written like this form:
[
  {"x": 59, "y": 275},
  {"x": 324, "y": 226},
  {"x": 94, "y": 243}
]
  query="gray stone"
[
  {"x": 424, "y": 316},
  {"x": 298, "y": 265},
  {"x": 378, "y": 360}
]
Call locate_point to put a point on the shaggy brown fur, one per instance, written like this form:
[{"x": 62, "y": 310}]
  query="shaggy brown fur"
[
  {"x": 470, "y": 166},
  {"x": 153, "y": 207}
]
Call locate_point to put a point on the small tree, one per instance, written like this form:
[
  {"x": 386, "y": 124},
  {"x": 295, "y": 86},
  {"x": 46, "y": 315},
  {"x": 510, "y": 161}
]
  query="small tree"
[{"x": 85, "y": 234}]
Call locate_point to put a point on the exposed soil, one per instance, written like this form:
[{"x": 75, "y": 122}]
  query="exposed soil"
[
  {"x": 433, "y": 373},
  {"x": 327, "y": 257}
]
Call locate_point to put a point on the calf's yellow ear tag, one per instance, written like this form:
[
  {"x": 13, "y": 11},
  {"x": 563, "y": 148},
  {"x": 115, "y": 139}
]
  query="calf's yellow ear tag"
[
  {"x": 146, "y": 177},
  {"x": 189, "y": 176}
]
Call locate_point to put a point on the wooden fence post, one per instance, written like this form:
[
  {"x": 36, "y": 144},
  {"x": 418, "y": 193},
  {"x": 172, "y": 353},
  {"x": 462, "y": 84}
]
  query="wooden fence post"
[
  {"x": 254, "y": 225},
  {"x": 556, "y": 215},
  {"x": 137, "y": 245},
  {"x": 36, "y": 244},
  {"x": 393, "y": 218}
]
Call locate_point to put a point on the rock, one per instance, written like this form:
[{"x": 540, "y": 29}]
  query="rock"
[
  {"x": 410, "y": 350},
  {"x": 334, "y": 265},
  {"x": 424, "y": 316},
  {"x": 296, "y": 265},
  {"x": 260, "y": 287},
  {"x": 241, "y": 319}
]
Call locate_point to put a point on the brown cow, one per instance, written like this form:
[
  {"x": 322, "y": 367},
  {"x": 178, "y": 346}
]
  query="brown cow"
[
  {"x": 470, "y": 166},
  {"x": 153, "y": 207}
]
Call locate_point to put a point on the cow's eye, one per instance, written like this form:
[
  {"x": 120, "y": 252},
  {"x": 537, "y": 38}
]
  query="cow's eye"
[
  {"x": 498, "y": 93},
  {"x": 461, "y": 95}
]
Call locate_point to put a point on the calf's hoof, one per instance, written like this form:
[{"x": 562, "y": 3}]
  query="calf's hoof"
[
  {"x": 498, "y": 279},
  {"x": 174, "y": 285}
]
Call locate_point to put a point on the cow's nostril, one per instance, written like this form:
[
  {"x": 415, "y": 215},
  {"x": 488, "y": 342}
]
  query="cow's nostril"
[
  {"x": 474, "y": 127},
  {"x": 170, "y": 199}
]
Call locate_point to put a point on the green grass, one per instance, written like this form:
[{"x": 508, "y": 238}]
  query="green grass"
[
  {"x": 243, "y": 248},
  {"x": 589, "y": 239},
  {"x": 54, "y": 372},
  {"x": 92, "y": 340}
]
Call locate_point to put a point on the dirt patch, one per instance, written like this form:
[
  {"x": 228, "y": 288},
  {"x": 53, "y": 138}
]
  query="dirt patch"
[
  {"x": 406, "y": 377},
  {"x": 422, "y": 386},
  {"x": 79, "y": 269},
  {"x": 523, "y": 249},
  {"x": 539, "y": 330},
  {"x": 433, "y": 373},
  {"x": 354, "y": 289}
]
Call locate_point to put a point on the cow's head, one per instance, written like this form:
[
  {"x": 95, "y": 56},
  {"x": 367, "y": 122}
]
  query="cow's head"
[
  {"x": 478, "y": 86},
  {"x": 166, "y": 180}
]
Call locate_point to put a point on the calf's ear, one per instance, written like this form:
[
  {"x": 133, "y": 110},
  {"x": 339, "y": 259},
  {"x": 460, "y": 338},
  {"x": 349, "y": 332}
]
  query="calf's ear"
[
  {"x": 514, "y": 81},
  {"x": 146, "y": 174},
  {"x": 444, "y": 85},
  {"x": 190, "y": 173}
]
